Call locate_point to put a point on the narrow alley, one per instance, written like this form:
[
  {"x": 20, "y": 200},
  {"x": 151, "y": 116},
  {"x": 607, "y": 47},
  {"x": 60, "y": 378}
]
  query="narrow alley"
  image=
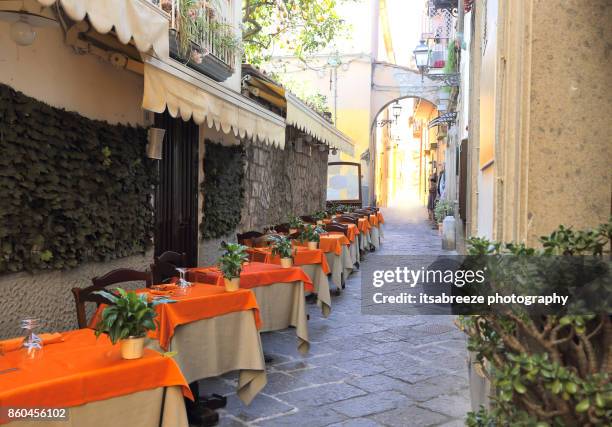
[{"x": 362, "y": 370}]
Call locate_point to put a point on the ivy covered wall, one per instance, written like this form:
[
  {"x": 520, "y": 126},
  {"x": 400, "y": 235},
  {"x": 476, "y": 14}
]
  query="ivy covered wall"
[
  {"x": 222, "y": 189},
  {"x": 72, "y": 190}
]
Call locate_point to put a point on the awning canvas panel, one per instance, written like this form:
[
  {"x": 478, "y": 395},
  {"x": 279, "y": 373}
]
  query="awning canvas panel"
[
  {"x": 132, "y": 19},
  {"x": 302, "y": 117},
  {"x": 184, "y": 99}
]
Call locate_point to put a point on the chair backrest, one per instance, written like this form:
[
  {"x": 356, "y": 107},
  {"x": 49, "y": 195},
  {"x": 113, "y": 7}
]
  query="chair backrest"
[
  {"x": 282, "y": 228},
  {"x": 174, "y": 258},
  {"x": 336, "y": 227},
  {"x": 348, "y": 218},
  {"x": 308, "y": 219},
  {"x": 121, "y": 275},
  {"x": 243, "y": 238},
  {"x": 257, "y": 256},
  {"x": 163, "y": 272}
]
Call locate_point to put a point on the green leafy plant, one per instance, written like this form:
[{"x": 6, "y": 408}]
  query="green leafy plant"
[
  {"x": 295, "y": 222},
  {"x": 281, "y": 246},
  {"x": 442, "y": 209},
  {"x": 128, "y": 315},
  {"x": 319, "y": 215},
  {"x": 73, "y": 190},
  {"x": 545, "y": 370},
  {"x": 230, "y": 263},
  {"x": 222, "y": 189},
  {"x": 311, "y": 233},
  {"x": 197, "y": 23}
]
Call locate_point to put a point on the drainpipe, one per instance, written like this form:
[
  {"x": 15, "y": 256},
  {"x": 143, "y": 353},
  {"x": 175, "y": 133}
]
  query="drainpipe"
[{"x": 460, "y": 18}]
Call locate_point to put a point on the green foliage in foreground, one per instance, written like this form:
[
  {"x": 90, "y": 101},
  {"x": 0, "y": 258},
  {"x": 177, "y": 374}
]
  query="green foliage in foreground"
[
  {"x": 230, "y": 263},
  {"x": 544, "y": 370}
]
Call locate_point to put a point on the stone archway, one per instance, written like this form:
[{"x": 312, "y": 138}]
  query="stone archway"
[{"x": 391, "y": 83}]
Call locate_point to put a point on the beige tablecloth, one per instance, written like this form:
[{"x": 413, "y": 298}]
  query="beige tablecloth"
[
  {"x": 140, "y": 409},
  {"x": 375, "y": 237},
  {"x": 354, "y": 251},
  {"x": 282, "y": 305},
  {"x": 321, "y": 285},
  {"x": 340, "y": 265},
  {"x": 212, "y": 347}
]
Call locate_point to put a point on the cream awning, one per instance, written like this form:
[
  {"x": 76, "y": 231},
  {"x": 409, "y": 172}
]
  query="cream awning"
[
  {"x": 302, "y": 117},
  {"x": 139, "y": 20},
  {"x": 190, "y": 96}
]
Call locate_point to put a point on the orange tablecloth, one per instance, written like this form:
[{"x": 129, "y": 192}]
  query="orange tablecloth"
[
  {"x": 201, "y": 302},
  {"x": 364, "y": 225},
  {"x": 254, "y": 274},
  {"x": 380, "y": 217},
  {"x": 374, "y": 220},
  {"x": 333, "y": 242},
  {"x": 353, "y": 231},
  {"x": 301, "y": 256},
  {"x": 80, "y": 370}
]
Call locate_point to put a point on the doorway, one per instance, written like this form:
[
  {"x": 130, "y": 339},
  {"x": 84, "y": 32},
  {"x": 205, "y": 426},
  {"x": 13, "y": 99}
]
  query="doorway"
[{"x": 176, "y": 201}]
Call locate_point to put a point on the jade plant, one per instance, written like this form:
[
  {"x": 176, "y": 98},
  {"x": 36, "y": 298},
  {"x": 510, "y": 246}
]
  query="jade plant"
[
  {"x": 128, "y": 315},
  {"x": 311, "y": 233},
  {"x": 281, "y": 246},
  {"x": 231, "y": 261},
  {"x": 546, "y": 370},
  {"x": 442, "y": 209}
]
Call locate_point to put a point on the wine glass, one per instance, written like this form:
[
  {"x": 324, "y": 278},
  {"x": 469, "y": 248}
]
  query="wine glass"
[
  {"x": 32, "y": 344},
  {"x": 182, "y": 283}
]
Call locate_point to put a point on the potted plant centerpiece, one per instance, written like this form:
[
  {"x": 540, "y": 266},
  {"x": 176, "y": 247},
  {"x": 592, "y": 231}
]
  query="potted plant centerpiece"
[
  {"x": 230, "y": 264},
  {"x": 319, "y": 216},
  {"x": 127, "y": 320},
  {"x": 310, "y": 235},
  {"x": 281, "y": 246},
  {"x": 295, "y": 224}
]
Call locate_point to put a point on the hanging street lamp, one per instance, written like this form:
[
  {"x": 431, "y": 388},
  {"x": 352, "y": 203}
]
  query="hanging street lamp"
[{"x": 421, "y": 57}]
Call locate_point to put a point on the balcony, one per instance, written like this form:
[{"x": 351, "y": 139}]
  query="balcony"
[{"x": 202, "y": 36}]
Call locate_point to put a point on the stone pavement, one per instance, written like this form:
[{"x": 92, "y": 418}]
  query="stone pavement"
[{"x": 363, "y": 371}]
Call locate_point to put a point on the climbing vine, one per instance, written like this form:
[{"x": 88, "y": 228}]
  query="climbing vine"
[
  {"x": 73, "y": 190},
  {"x": 223, "y": 189}
]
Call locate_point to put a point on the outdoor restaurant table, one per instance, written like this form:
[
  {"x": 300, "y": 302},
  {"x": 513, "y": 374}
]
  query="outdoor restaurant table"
[
  {"x": 214, "y": 332},
  {"x": 337, "y": 251},
  {"x": 364, "y": 233},
  {"x": 279, "y": 293},
  {"x": 375, "y": 231},
  {"x": 314, "y": 263},
  {"x": 99, "y": 388}
]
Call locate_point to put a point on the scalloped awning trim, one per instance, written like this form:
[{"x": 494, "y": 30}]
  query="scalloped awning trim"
[
  {"x": 184, "y": 99},
  {"x": 136, "y": 20}
]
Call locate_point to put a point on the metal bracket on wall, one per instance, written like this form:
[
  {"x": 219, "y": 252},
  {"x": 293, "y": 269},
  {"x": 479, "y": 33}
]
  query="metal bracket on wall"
[{"x": 450, "y": 79}]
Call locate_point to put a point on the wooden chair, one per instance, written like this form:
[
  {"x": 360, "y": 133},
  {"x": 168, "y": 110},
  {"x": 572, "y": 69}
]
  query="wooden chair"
[
  {"x": 348, "y": 219},
  {"x": 335, "y": 226},
  {"x": 282, "y": 228},
  {"x": 163, "y": 272},
  {"x": 257, "y": 257},
  {"x": 244, "y": 238},
  {"x": 308, "y": 219},
  {"x": 174, "y": 258},
  {"x": 121, "y": 275}
]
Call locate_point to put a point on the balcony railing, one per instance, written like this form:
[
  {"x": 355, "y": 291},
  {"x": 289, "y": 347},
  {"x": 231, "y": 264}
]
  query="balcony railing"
[{"x": 212, "y": 46}]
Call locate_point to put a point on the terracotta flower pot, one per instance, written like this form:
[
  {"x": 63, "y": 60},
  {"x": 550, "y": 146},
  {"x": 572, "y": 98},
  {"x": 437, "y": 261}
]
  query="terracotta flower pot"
[
  {"x": 313, "y": 245},
  {"x": 132, "y": 347},
  {"x": 286, "y": 262},
  {"x": 232, "y": 285}
]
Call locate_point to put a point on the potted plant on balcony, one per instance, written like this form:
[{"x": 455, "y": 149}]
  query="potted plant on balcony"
[
  {"x": 230, "y": 264},
  {"x": 127, "y": 319},
  {"x": 281, "y": 247},
  {"x": 311, "y": 235},
  {"x": 295, "y": 224}
]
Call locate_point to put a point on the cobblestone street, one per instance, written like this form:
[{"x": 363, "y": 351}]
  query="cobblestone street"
[{"x": 363, "y": 371}]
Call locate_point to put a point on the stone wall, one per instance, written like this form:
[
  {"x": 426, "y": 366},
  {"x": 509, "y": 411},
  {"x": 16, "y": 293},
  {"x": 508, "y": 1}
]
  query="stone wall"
[
  {"x": 279, "y": 183},
  {"x": 46, "y": 295}
]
